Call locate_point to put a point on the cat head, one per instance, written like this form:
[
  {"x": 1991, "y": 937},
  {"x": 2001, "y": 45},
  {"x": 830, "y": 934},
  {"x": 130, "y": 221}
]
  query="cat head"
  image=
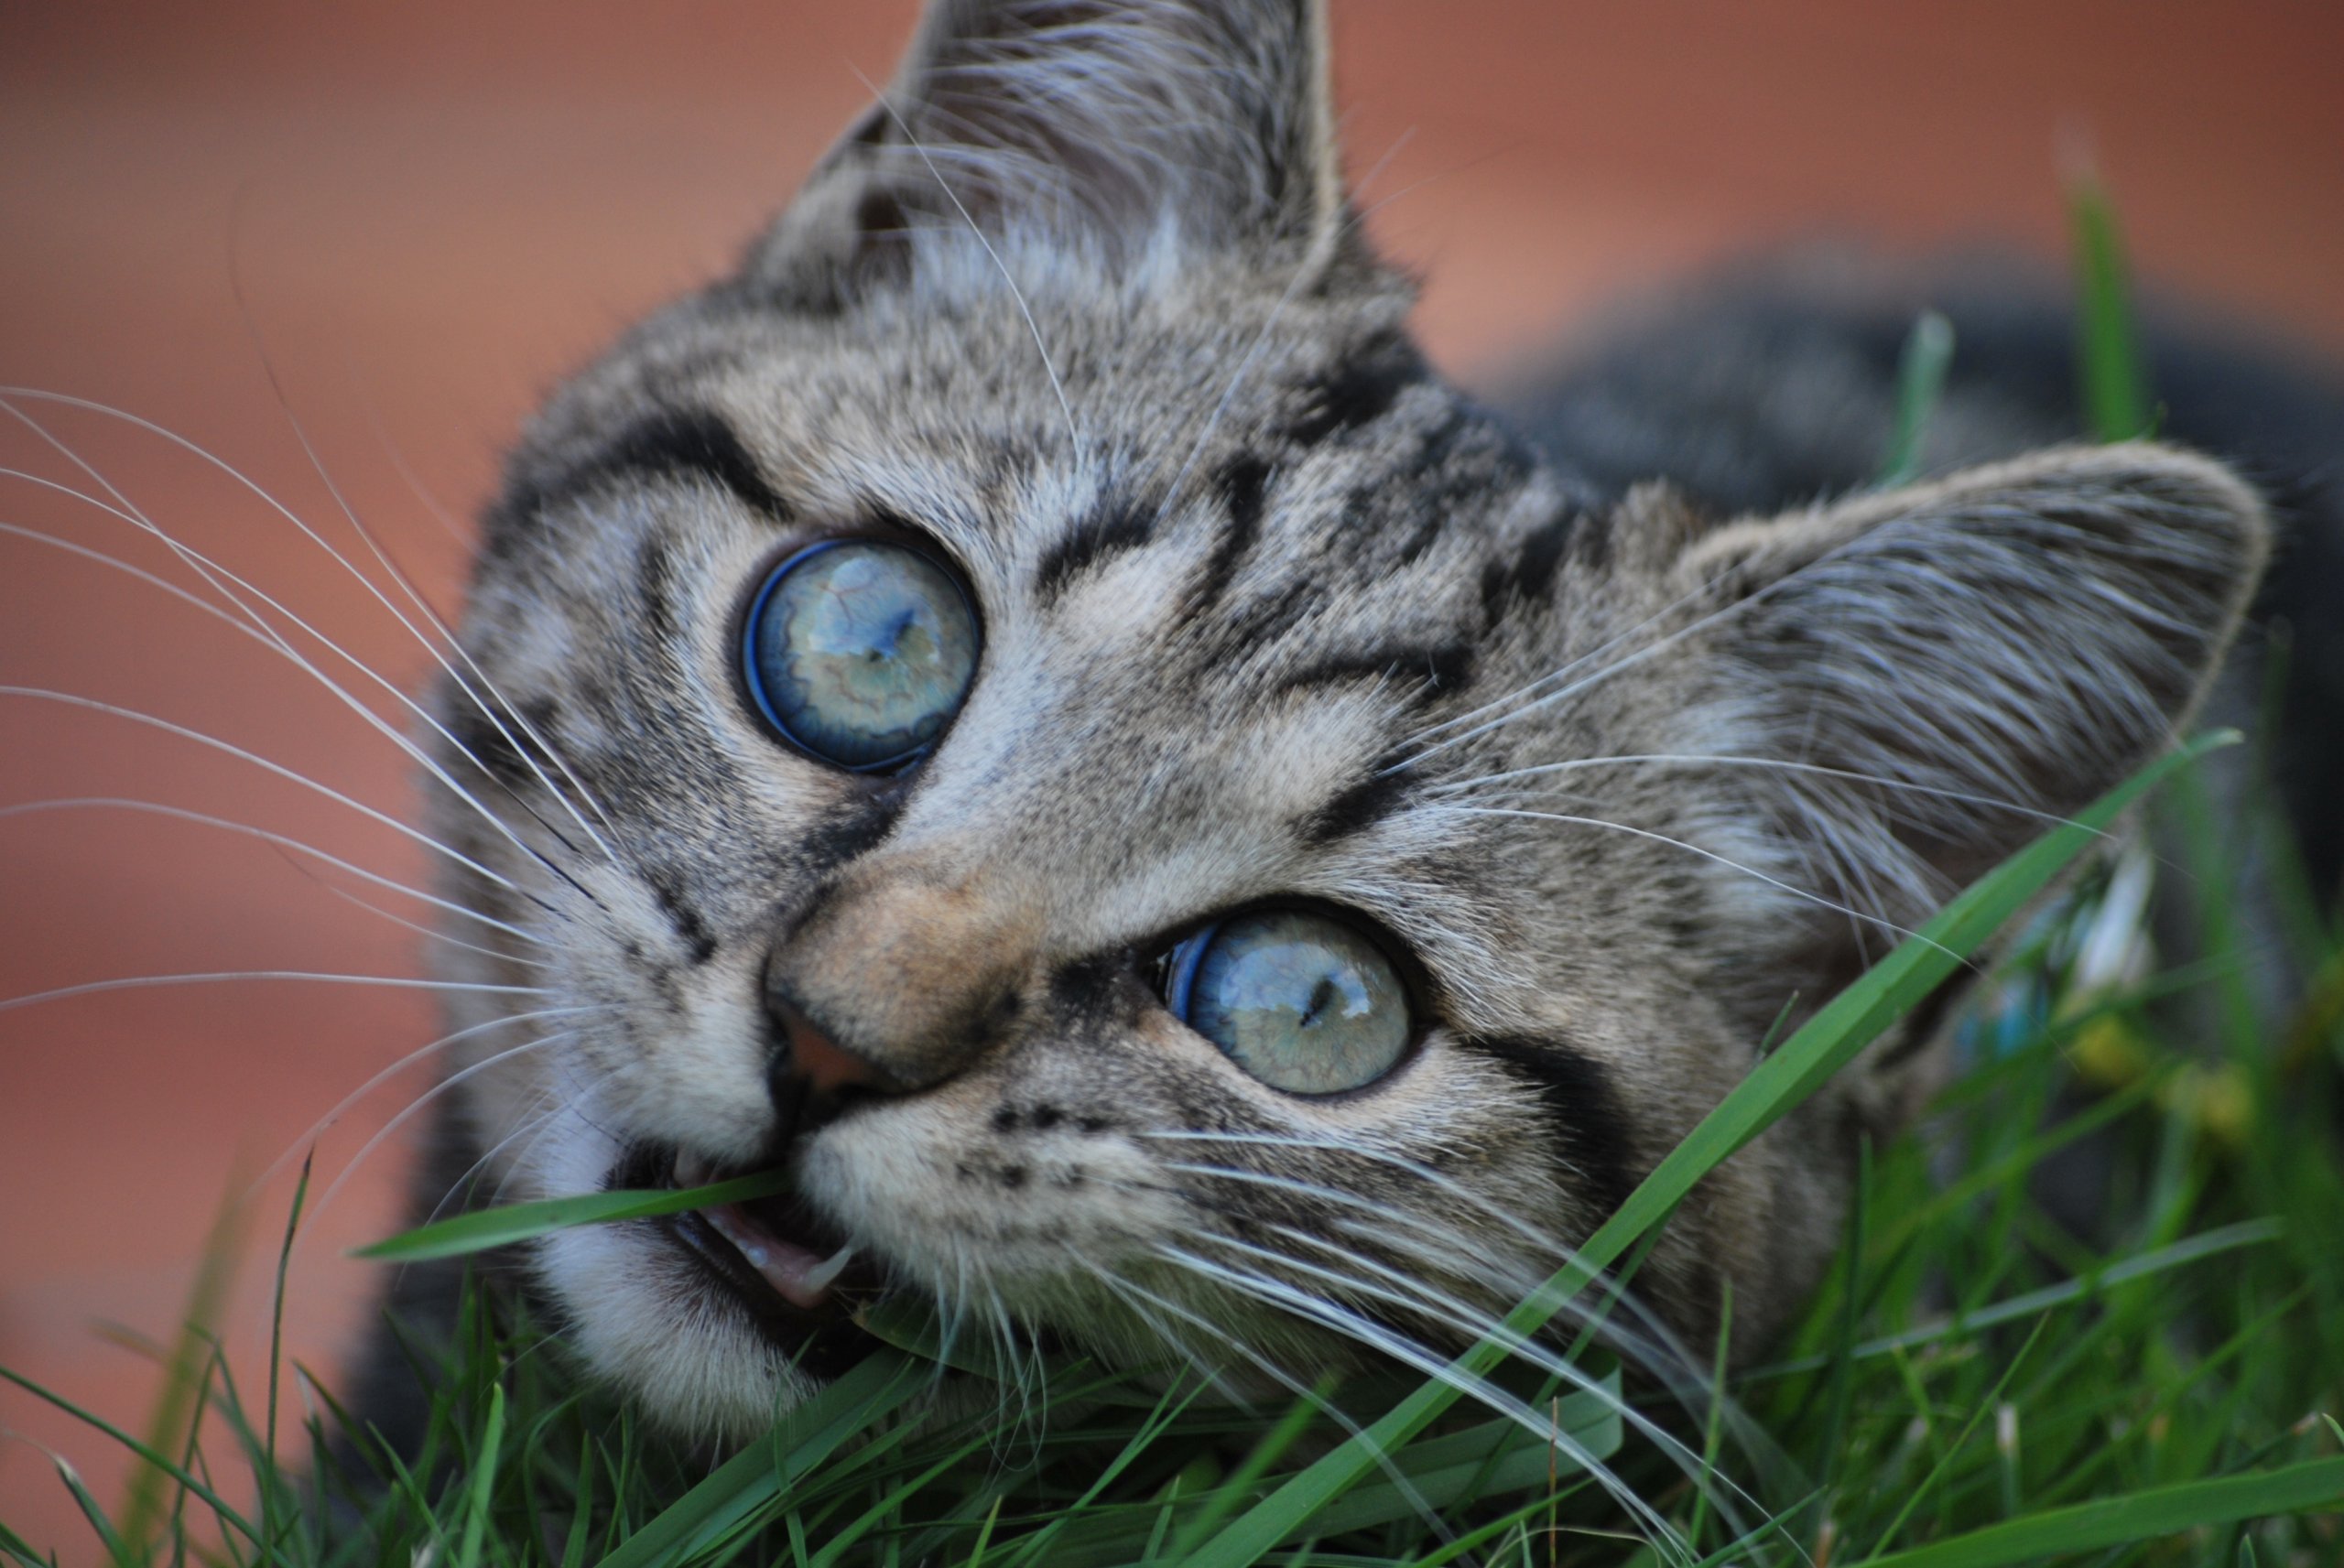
[{"x": 1034, "y": 709}]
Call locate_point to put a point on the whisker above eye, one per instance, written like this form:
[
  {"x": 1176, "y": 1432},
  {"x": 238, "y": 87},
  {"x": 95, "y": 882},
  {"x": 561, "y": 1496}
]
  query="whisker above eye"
[
  {"x": 214, "y": 573},
  {"x": 415, "y": 596},
  {"x": 1528, "y": 691},
  {"x": 1636, "y": 657},
  {"x": 1901, "y": 931},
  {"x": 1783, "y": 764},
  {"x": 1073, "y": 431}
]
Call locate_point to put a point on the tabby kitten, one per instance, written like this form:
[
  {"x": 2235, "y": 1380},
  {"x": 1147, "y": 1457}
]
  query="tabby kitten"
[{"x": 1032, "y": 708}]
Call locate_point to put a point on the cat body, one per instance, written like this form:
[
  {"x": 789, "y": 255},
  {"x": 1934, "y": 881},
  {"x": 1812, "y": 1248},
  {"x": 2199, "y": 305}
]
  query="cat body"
[{"x": 1579, "y": 748}]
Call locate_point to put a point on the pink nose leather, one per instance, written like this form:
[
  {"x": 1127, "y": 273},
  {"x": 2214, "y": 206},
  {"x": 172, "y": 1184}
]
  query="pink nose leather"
[{"x": 819, "y": 1060}]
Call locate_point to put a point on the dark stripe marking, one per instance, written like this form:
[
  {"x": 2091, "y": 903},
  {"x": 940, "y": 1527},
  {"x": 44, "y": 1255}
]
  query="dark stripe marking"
[
  {"x": 1428, "y": 668},
  {"x": 1242, "y": 485},
  {"x": 1119, "y": 524},
  {"x": 654, "y": 588},
  {"x": 1359, "y": 391},
  {"x": 1528, "y": 577},
  {"x": 493, "y": 751},
  {"x": 1356, "y": 809},
  {"x": 1583, "y": 1105},
  {"x": 686, "y": 920},
  {"x": 684, "y": 444}
]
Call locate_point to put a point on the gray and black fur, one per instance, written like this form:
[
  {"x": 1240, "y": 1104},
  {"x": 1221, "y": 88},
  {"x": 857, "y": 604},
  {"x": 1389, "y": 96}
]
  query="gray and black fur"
[{"x": 1629, "y": 720}]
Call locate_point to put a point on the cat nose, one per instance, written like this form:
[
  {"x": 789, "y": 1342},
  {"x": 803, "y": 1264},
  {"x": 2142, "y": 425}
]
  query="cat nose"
[
  {"x": 808, "y": 1054},
  {"x": 898, "y": 978},
  {"x": 812, "y": 1079}
]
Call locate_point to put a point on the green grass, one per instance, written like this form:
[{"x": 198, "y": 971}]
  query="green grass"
[{"x": 1975, "y": 1382}]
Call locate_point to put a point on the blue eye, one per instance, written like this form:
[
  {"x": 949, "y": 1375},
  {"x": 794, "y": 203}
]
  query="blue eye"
[
  {"x": 860, "y": 653},
  {"x": 1306, "y": 1004}
]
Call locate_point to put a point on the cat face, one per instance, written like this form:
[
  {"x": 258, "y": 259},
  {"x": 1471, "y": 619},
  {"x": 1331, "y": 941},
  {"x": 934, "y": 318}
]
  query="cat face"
[{"x": 1033, "y": 709}]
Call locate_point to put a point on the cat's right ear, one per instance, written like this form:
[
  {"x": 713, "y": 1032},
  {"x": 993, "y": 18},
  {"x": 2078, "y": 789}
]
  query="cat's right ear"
[{"x": 1110, "y": 131}]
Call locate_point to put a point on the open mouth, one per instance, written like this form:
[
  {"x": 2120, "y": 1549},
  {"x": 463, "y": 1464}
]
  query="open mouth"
[{"x": 783, "y": 1262}]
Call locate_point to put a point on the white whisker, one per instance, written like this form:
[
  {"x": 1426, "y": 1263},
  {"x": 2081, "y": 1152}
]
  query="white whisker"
[
  {"x": 1523, "y": 692},
  {"x": 1649, "y": 650},
  {"x": 447, "y": 637},
  {"x": 1138, "y": 1298},
  {"x": 223, "y": 977},
  {"x": 1415, "y": 1295},
  {"x": 1329, "y": 1315},
  {"x": 427, "y": 933},
  {"x": 1073, "y": 432},
  {"x": 1455, "y": 786},
  {"x": 1795, "y": 890},
  {"x": 215, "y": 573},
  {"x": 250, "y": 624},
  {"x": 407, "y": 1114},
  {"x": 341, "y": 1107},
  {"x": 116, "y": 803},
  {"x": 73, "y": 699}
]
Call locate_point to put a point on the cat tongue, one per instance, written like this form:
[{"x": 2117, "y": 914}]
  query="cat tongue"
[{"x": 796, "y": 1274}]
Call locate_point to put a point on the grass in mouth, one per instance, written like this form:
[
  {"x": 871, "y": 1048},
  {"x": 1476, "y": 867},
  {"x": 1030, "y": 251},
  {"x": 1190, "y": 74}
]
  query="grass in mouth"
[{"x": 1979, "y": 1382}]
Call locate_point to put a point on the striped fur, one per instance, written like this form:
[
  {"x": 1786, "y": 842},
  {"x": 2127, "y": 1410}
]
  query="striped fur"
[{"x": 1271, "y": 611}]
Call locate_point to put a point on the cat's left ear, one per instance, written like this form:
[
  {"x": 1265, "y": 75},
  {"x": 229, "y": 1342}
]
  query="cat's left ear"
[
  {"x": 1110, "y": 129},
  {"x": 1939, "y": 669}
]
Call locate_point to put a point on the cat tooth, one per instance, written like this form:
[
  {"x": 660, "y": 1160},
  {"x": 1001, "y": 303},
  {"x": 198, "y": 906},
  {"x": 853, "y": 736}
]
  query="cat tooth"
[
  {"x": 796, "y": 1275},
  {"x": 825, "y": 1274},
  {"x": 691, "y": 1171}
]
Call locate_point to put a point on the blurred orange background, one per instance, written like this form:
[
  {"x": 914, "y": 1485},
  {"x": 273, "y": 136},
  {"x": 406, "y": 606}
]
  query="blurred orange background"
[{"x": 383, "y": 231}]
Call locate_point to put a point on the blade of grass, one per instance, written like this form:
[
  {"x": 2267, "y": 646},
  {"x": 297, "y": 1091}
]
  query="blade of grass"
[
  {"x": 482, "y": 1487},
  {"x": 116, "y": 1546},
  {"x": 171, "y": 1425},
  {"x": 490, "y": 1228},
  {"x": 2113, "y": 382},
  {"x": 277, "y": 1346},
  {"x": 1717, "y": 1400},
  {"x": 1824, "y": 1044},
  {"x": 18, "y": 1547},
  {"x": 161, "y": 1462},
  {"x": 2140, "y": 1516},
  {"x": 760, "y": 1472},
  {"x": 2246, "y": 1233},
  {"x": 1920, "y": 382},
  {"x": 1962, "y": 1440},
  {"x": 1217, "y": 1505}
]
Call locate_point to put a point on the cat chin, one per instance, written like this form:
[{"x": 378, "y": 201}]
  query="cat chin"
[{"x": 646, "y": 1320}]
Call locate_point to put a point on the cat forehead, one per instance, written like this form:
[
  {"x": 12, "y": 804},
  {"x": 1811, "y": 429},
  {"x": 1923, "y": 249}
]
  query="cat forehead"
[{"x": 1037, "y": 434}]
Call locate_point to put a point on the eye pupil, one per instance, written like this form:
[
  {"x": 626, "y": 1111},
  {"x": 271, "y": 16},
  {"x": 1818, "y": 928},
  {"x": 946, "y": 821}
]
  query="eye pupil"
[
  {"x": 1306, "y": 1003},
  {"x": 860, "y": 652}
]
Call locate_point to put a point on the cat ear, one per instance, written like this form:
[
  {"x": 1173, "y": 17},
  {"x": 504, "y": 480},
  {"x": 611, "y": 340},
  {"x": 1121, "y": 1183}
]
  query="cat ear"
[
  {"x": 1945, "y": 664},
  {"x": 1107, "y": 126}
]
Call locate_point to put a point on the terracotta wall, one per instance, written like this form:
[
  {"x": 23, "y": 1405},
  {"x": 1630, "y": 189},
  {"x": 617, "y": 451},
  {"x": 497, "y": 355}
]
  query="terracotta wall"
[{"x": 383, "y": 230}]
